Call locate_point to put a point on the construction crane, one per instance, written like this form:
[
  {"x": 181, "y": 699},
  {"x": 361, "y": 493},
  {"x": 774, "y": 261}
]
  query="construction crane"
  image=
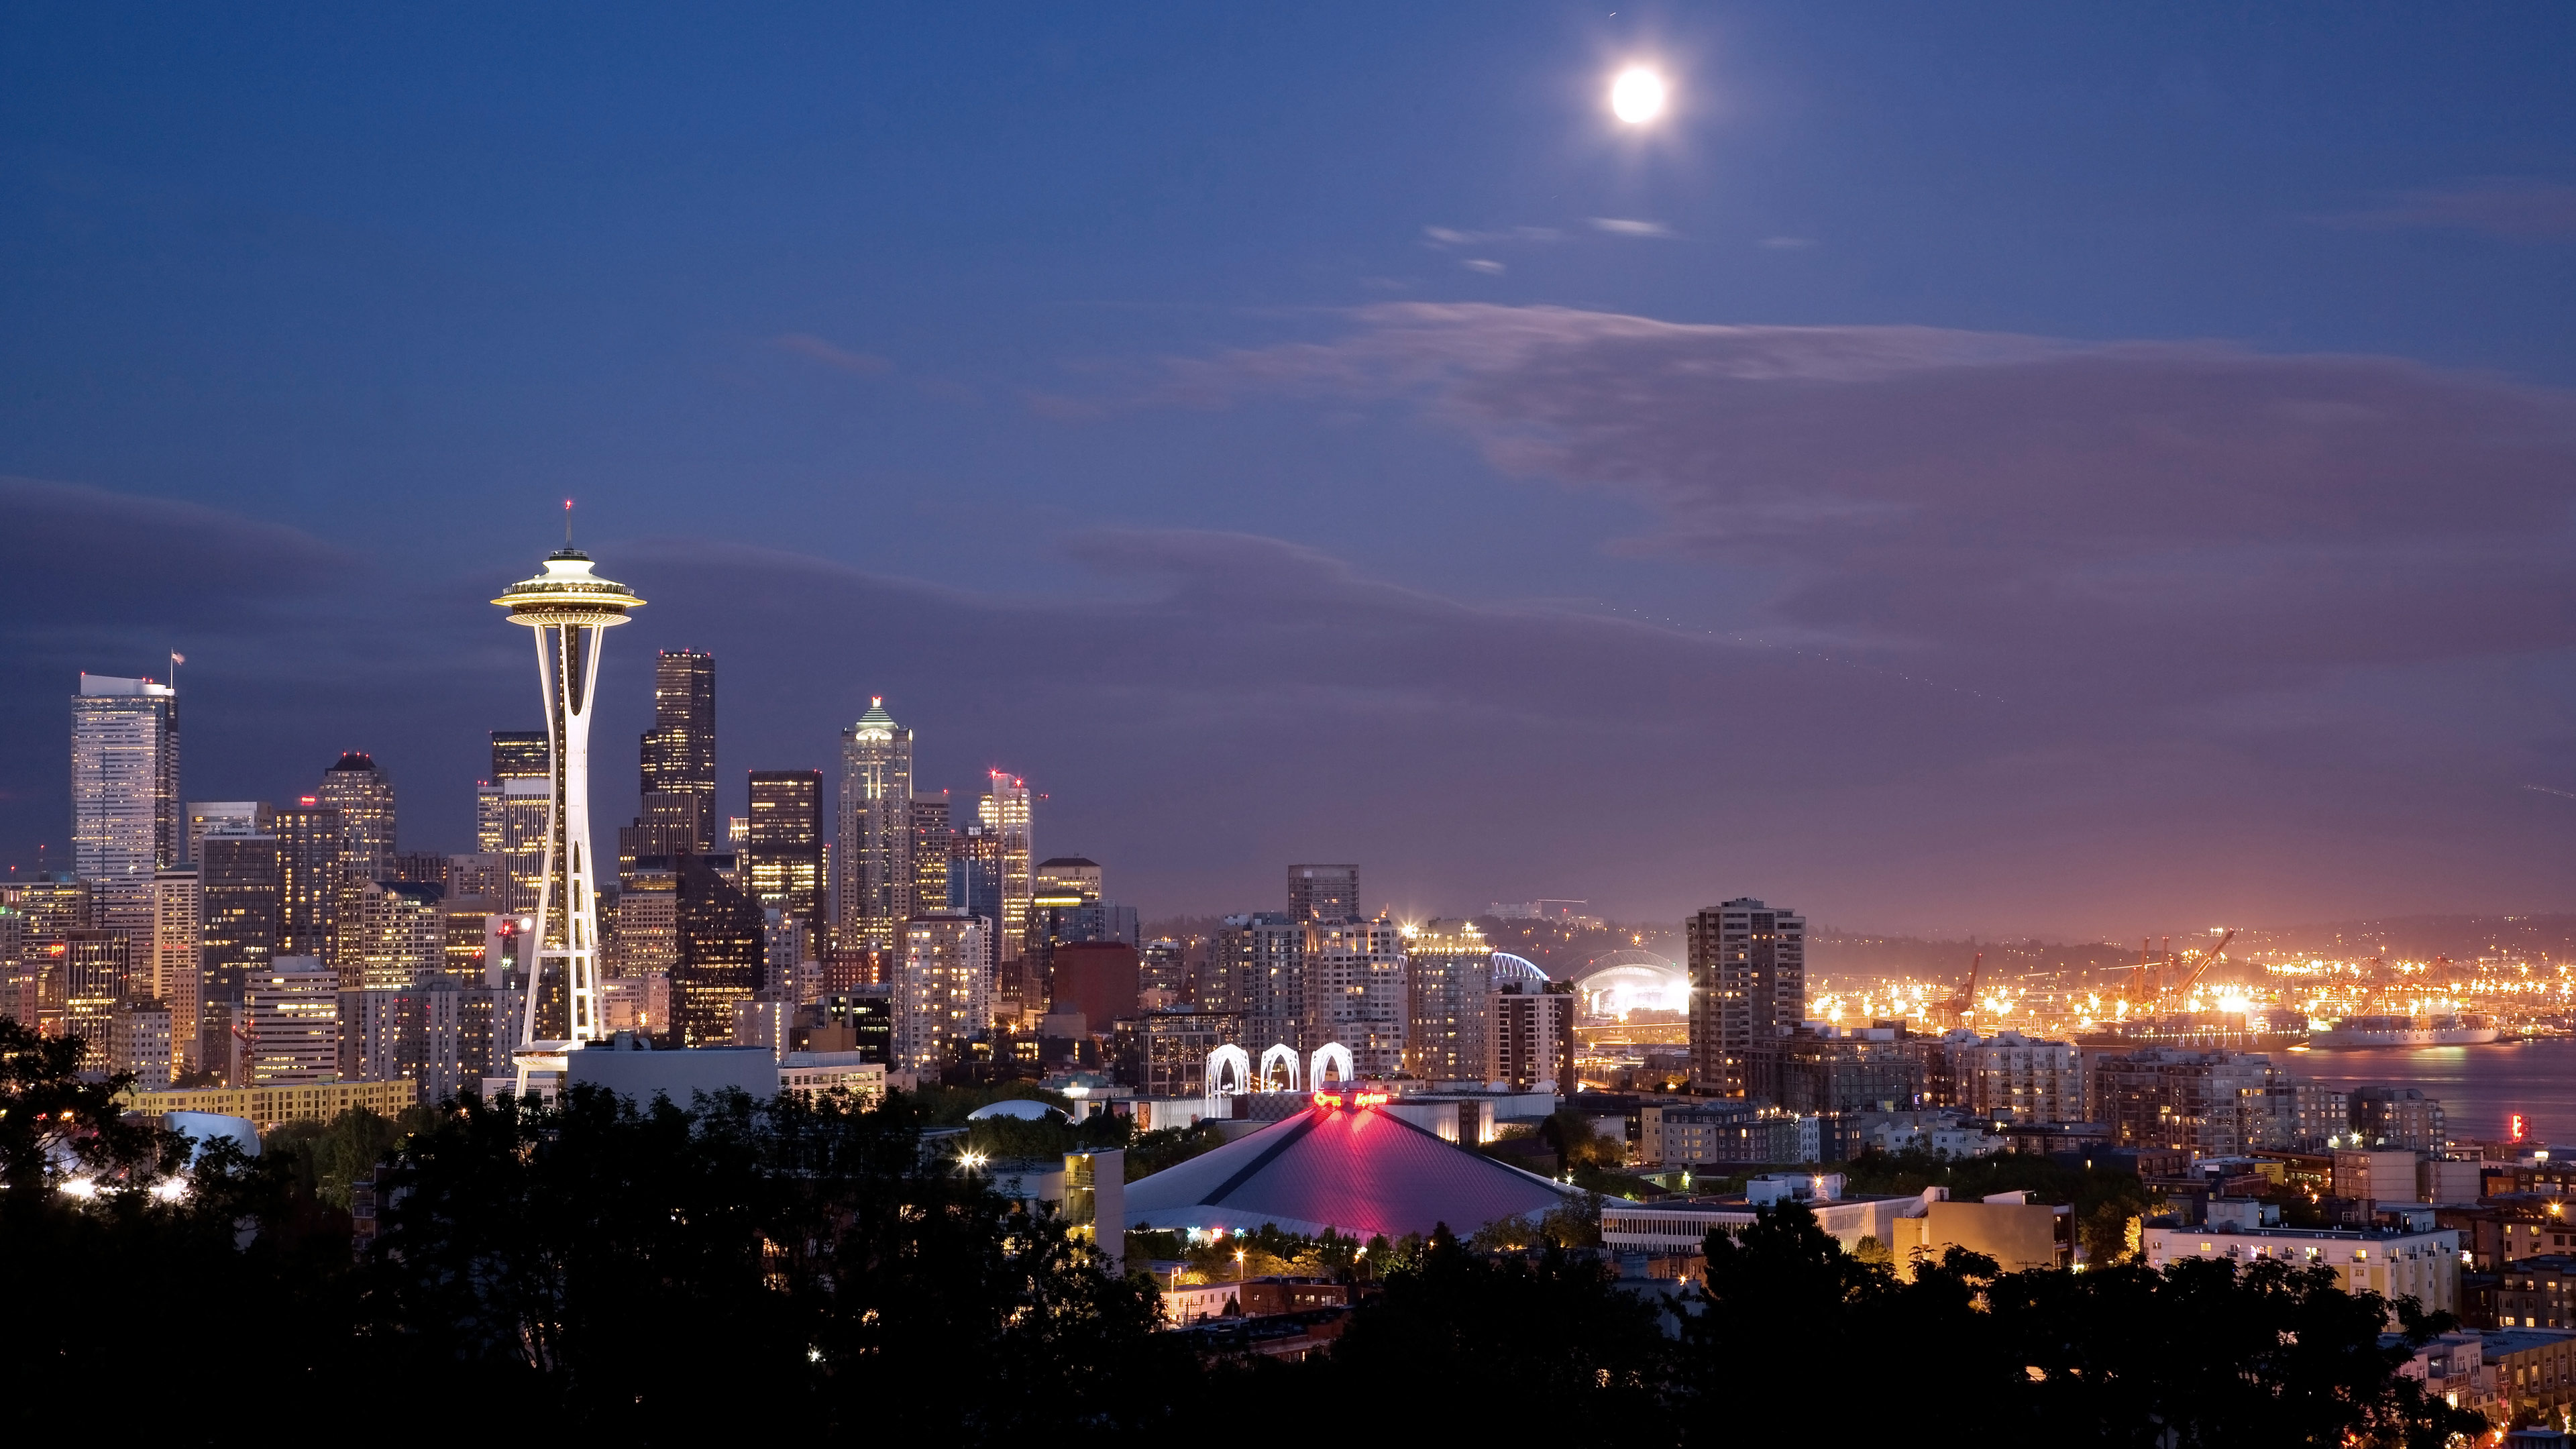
[
  {"x": 1953, "y": 1011},
  {"x": 2182, "y": 991}
]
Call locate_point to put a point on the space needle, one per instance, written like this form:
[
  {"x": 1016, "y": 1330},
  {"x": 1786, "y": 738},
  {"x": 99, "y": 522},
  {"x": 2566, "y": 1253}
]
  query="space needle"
[{"x": 566, "y": 607}]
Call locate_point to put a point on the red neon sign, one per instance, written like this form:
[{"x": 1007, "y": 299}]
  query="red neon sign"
[
  {"x": 1327, "y": 1099},
  {"x": 2516, "y": 1126},
  {"x": 1369, "y": 1099}
]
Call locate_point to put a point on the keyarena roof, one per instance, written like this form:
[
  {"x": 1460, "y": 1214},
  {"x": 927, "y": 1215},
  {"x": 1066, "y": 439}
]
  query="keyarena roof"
[{"x": 1356, "y": 1170}]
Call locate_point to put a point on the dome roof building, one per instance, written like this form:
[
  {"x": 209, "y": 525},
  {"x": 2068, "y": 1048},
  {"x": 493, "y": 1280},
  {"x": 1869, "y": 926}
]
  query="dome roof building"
[{"x": 1356, "y": 1170}]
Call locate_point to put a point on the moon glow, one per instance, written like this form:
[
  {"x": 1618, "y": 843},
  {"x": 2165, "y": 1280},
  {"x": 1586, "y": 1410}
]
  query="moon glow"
[{"x": 1637, "y": 96}]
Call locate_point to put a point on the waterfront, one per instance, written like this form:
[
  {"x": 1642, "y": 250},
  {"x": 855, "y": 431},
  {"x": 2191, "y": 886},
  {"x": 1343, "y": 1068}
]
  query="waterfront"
[{"x": 2479, "y": 1087}]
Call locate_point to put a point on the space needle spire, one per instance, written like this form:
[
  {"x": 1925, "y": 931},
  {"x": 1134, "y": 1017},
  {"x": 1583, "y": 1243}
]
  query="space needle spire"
[{"x": 566, "y": 607}]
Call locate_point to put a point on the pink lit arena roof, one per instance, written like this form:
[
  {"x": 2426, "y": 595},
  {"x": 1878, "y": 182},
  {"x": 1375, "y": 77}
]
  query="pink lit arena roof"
[{"x": 1357, "y": 1171}]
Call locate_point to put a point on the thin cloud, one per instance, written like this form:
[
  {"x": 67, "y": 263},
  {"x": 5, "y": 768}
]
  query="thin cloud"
[
  {"x": 1626, "y": 226},
  {"x": 1439, "y": 237},
  {"x": 1487, "y": 265},
  {"x": 1787, "y": 243},
  {"x": 2512, "y": 208},
  {"x": 815, "y": 349}
]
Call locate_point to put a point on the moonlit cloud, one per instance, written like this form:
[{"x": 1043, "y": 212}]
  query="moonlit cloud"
[
  {"x": 2515, "y": 209},
  {"x": 1625, "y": 226},
  {"x": 1487, "y": 265},
  {"x": 815, "y": 349}
]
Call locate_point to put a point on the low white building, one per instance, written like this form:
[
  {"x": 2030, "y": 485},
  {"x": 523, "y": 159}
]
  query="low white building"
[
  {"x": 847, "y": 1075},
  {"x": 1683, "y": 1226},
  {"x": 2394, "y": 1263}
]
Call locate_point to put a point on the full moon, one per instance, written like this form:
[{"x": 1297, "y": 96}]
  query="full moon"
[{"x": 1637, "y": 96}]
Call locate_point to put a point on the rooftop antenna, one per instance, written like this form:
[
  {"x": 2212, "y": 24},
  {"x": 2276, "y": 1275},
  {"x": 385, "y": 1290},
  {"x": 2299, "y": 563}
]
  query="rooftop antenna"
[{"x": 567, "y": 523}]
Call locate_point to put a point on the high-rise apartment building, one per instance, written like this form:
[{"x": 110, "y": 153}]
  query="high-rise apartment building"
[
  {"x": 939, "y": 998},
  {"x": 1533, "y": 1036},
  {"x": 395, "y": 936},
  {"x": 142, "y": 1040},
  {"x": 874, "y": 893},
  {"x": 1748, "y": 976},
  {"x": 291, "y": 1019},
  {"x": 679, "y": 751},
  {"x": 1355, "y": 991},
  {"x": 1004, "y": 813},
  {"x": 1163, "y": 973},
  {"x": 2009, "y": 1077},
  {"x": 1258, "y": 970},
  {"x": 931, "y": 832},
  {"x": 782, "y": 852},
  {"x": 1449, "y": 972},
  {"x": 1324, "y": 892},
  {"x": 178, "y": 922},
  {"x": 364, "y": 796},
  {"x": 127, "y": 818},
  {"x": 314, "y": 869}
]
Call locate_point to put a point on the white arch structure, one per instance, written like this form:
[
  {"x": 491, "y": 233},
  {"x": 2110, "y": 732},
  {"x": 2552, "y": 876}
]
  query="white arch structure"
[
  {"x": 1221, "y": 1088},
  {"x": 1331, "y": 1054},
  {"x": 1281, "y": 1054}
]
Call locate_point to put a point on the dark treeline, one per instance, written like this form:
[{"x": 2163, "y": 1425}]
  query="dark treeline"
[{"x": 779, "y": 1271}]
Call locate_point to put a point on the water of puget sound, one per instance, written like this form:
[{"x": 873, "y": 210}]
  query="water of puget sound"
[{"x": 2479, "y": 1087}]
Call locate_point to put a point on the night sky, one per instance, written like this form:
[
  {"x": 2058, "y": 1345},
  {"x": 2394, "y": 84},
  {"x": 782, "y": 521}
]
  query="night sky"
[{"x": 1966, "y": 468}]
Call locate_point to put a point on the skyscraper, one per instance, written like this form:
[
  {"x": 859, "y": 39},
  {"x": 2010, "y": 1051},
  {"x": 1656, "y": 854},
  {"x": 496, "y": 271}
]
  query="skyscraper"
[
  {"x": 1748, "y": 977},
  {"x": 127, "y": 819},
  {"x": 874, "y": 893},
  {"x": 975, "y": 884},
  {"x": 241, "y": 887},
  {"x": 782, "y": 854},
  {"x": 291, "y": 1015},
  {"x": 931, "y": 832},
  {"x": 239, "y": 817},
  {"x": 679, "y": 752},
  {"x": 364, "y": 796},
  {"x": 1004, "y": 813},
  {"x": 1449, "y": 978},
  {"x": 521, "y": 755},
  {"x": 313, "y": 864},
  {"x": 178, "y": 933},
  {"x": 723, "y": 950},
  {"x": 1324, "y": 892},
  {"x": 568, "y": 608}
]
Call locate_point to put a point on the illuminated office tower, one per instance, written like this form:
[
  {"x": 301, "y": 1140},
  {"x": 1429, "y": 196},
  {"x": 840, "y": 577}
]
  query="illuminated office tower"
[
  {"x": 1324, "y": 892},
  {"x": 975, "y": 885},
  {"x": 723, "y": 952},
  {"x": 1748, "y": 988},
  {"x": 127, "y": 819},
  {"x": 1355, "y": 992},
  {"x": 96, "y": 963},
  {"x": 312, "y": 860},
  {"x": 648, "y": 922},
  {"x": 178, "y": 934},
  {"x": 874, "y": 893},
  {"x": 1449, "y": 982},
  {"x": 931, "y": 832},
  {"x": 569, "y": 610},
  {"x": 240, "y": 887},
  {"x": 679, "y": 754},
  {"x": 1004, "y": 812},
  {"x": 521, "y": 755},
  {"x": 939, "y": 997},
  {"x": 291, "y": 1017},
  {"x": 235, "y": 817},
  {"x": 782, "y": 852},
  {"x": 364, "y": 796}
]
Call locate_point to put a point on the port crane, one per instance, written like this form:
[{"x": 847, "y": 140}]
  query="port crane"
[
  {"x": 1954, "y": 1011},
  {"x": 2153, "y": 983}
]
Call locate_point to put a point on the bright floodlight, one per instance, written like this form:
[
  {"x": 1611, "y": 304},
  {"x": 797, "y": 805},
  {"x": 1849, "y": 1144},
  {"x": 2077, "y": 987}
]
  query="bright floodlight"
[{"x": 1637, "y": 96}]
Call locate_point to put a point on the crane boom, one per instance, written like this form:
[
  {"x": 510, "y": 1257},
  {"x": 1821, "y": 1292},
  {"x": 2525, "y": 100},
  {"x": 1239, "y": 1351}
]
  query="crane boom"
[{"x": 2201, "y": 967}]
